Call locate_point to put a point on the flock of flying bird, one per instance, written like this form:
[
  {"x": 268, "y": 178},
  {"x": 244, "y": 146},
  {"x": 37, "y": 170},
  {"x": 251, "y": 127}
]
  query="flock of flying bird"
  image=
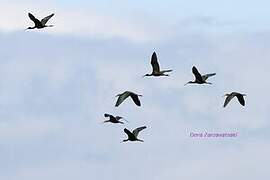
[{"x": 133, "y": 136}]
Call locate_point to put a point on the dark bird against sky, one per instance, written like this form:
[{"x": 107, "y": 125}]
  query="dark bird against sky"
[
  {"x": 155, "y": 67},
  {"x": 126, "y": 94},
  {"x": 113, "y": 119},
  {"x": 132, "y": 136},
  {"x": 200, "y": 79},
  {"x": 40, "y": 24},
  {"x": 230, "y": 96}
]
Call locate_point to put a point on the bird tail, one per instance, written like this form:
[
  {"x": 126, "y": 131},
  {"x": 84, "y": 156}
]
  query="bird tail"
[{"x": 211, "y": 74}]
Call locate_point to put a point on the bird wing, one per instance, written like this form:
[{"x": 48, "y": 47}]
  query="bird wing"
[
  {"x": 154, "y": 63},
  {"x": 121, "y": 98},
  {"x": 137, "y": 130},
  {"x": 130, "y": 134},
  {"x": 46, "y": 19},
  {"x": 241, "y": 99},
  {"x": 107, "y": 115},
  {"x": 228, "y": 99},
  {"x": 135, "y": 99},
  {"x": 32, "y": 17},
  {"x": 196, "y": 74},
  {"x": 206, "y": 76}
]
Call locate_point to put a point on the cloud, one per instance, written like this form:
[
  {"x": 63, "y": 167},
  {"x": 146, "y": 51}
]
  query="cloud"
[{"x": 78, "y": 21}]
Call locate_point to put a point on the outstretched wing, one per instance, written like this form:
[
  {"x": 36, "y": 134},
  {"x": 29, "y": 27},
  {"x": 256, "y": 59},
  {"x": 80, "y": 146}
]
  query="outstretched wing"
[
  {"x": 46, "y": 19},
  {"x": 206, "y": 76},
  {"x": 108, "y": 115},
  {"x": 130, "y": 134},
  {"x": 228, "y": 99},
  {"x": 241, "y": 99},
  {"x": 154, "y": 63},
  {"x": 121, "y": 98},
  {"x": 197, "y": 74},
  {"x": 32, "y": 17},
  {"x": 137, "y": 130},
  {"x": 135, "y": 99}
]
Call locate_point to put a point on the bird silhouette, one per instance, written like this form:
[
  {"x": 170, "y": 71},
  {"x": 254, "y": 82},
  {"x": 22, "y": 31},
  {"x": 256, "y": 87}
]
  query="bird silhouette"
[
  {"x": 200, "y": 79},
  {"x": 113, "y": 119},
  {"x": 239, "y": 96},
  {"x": 155, "y": 67},
  {"x": 126, "y": 94},
  {"x": 133, "y": 136},
  {"x": 39, "y": 24}
]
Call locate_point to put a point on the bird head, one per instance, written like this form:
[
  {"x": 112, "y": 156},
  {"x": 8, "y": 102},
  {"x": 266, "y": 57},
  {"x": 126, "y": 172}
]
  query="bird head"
[
  {"x": 244, "y": 95},
  {"x": 29, "y": 28},
  {"x": 189, "y": 82},
  {"x": 125, "y": 140}
]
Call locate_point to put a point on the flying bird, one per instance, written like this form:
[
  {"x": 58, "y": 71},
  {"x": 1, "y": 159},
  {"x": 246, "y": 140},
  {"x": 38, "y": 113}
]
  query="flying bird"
[
  {"x": 113, "y": 119},
  {"x": 155, "y": 67},
  {"x": 126, "y": 94},
  {"x": 200, "y": 79},
  {"x": 239, "y": 96},
  {"x": 40, "y": 24},
  {"x": 132, "y": 136}
]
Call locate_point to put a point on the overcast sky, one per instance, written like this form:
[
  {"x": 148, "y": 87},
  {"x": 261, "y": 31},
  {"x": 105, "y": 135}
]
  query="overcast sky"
[{"x": 56, "y": 84}]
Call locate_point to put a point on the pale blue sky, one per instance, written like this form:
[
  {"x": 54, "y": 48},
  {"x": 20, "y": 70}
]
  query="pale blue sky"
[
  {"x": 249, "y": 12},
  {"x": 56, "y": 84}
]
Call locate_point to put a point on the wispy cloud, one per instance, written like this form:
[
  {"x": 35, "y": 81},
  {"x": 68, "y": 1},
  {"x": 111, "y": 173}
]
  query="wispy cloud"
[{"x": 79, "y": 21}]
